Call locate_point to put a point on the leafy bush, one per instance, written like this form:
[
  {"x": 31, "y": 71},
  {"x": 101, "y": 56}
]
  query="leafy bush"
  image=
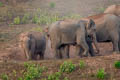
[
  {"x": 117, "y": 64},
  {"x": 101, "y": 74},
  {"x": 66, "y": 78},
  {"x": 25, "y": 18},
  {"x": 35, "y": 19},
  {"x": 52, "y": 5},
  {"x": 55, "y": 76},
  {"x": 17, "y": 20},
  {"x": 82, "y": 64},
  {"x": 1, "y": 4},
  {"x": 33, "y": 71},
  {"x": 67, "y": 67},
  {"x": 4, "y": 77}
]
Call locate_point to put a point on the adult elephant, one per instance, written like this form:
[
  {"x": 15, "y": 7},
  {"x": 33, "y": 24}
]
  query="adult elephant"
[
  {"x": 107, "y": 29},
  {"x": 74, "y": 32},
  {"x": 113, "y": 9},
  {"x": 33, "y": 44}
]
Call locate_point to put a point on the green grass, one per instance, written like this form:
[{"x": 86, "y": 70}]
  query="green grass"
[
  {"x": 4, "y": 77},
  {"x": 1, "y": 4},
  {"x": 67, "y": 67},
  {"x": 117, "y": 64},
  {"x": 52, "y": 4},
  {"x": 16, "y": 20},
  {"x": 82, "y": 64},
  {"x": 101, "y": 74}
]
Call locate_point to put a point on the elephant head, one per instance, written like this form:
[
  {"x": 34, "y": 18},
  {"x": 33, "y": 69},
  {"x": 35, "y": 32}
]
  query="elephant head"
[{"x": 91, "y": 32}]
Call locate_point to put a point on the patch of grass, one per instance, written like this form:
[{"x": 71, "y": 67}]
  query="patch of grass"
[
  {"x": 16, "y": 20},
  {"x": 35, "y": 19},
  {"x": 117, "y": 64},
  {"x": 55, "y": 76},
  {"x": 52, "y": 4},
  {"x": 25, "y": 18},
  {"x": 67, "y": 67},
  {"x": 39, "y": 29},
  {"x": 82, "y": 64},
  {"x": 1, "y": 4},
  {"x": 66, "y": 78},
  {"x": 33, "y": 71},
  {"x": 101, "y": 74},
  {"x": 4, "y": 77}
]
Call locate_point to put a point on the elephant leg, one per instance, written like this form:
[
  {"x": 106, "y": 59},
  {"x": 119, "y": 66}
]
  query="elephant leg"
[
  {"x": 85, "y": 48},
  {"x": 57, "y": 53},
  {"x": 115, "y": 42},
  {"x": 65, "y": 52},
  {"x": 79, "y": 50},
  {"x": 91, "y": 50},
  {"x": 42, "y": 55}
]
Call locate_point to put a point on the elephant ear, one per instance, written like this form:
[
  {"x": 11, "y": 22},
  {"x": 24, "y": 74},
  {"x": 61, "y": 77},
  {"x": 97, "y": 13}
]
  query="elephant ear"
[{"x": 91, "y": 24}]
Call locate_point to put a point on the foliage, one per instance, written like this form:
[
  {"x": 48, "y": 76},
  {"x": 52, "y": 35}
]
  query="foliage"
[
  {"x": 66, "y": 78},
  {"x": 101, "y": 74},
  {"x": 55, "y": 76},
  {"x": 1, "y": 4},
  {"x": 35, "y": 19},
  {"x": 25, "y": 18},
  {"x": 33, "y": 71},
  {"x": 67, "y": 67},
  {"x": 17, "y": 20},
  {"x": 82, "y": 64},
  {"x": 4, "y": 77},
  {"x": 117, "y": 64},
  {"x": 52, "y": 4}
]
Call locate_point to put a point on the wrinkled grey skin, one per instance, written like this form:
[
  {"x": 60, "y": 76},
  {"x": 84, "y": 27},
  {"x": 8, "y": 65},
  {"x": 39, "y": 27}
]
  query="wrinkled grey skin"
[
  {"x": 63, "y": 34},
  {"x": 35, "y": 45},
  {"x": 113, "y": 9},
  {"x": 108, "y": 29}
]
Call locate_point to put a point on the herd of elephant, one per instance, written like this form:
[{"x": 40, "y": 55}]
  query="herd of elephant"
[{"x": 84, "y": 34}]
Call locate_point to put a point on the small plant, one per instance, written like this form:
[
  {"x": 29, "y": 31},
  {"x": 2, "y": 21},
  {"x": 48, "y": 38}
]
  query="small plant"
[
  {"x": 1, "y": 4},
  {"x": 17, "y": 20},
  {"x": 67, "y": 67},
  {"x": 66, "y": 78},
  {"x": 33, "y": 71},
  {"x": 101, "y": 74},
  {"x": 52, "y": 5},
  {"x": 55, "y": 76},
  {"x": 35, "y": 19},
  {"x": 82, "y": 64},
  {"x": 117, "y": 64},
  {"x": 4, "y": 77},
  {"x": 25, "y": 18}
]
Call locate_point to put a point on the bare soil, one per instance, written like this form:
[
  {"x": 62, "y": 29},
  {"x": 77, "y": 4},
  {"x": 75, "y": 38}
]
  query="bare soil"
[{"x": 12, "y": 57}]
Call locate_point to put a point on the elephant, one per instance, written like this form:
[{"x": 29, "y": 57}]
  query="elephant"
[
  {"x": 113, "y": 9},
  {"x": 107, "y": 29},
  {"x": 33, "y": 44},
  {"x": 71, "y": 32}
]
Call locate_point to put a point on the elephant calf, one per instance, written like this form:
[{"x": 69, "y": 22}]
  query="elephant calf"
[{"x": 33, "y": 44}]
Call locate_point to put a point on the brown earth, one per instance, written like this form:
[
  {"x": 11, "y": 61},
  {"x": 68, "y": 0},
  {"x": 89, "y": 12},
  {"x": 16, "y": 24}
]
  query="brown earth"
[{"x": 12, "y": 58}]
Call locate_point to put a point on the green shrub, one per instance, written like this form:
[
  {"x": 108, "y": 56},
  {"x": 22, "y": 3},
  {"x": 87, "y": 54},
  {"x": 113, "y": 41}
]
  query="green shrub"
[
  {"x": 67, "y": 67},
  {"x": 1, "y": 4},
  {"x": 35, "y": 19},
  {"x": 4, "y": 77},
  {"x": 66, "y": 78},
  {"x": 55, "y": 76},
  {"x": 52, "y": 5},
  {"x": 17, "y": 20},
  {"x": 101, "y": 74},
  {"x": 33, "y": 71},
  {"x": 117, "y": 64},
  {"x": 25, "y": 18},
  {"x": 82, "y": 64}
]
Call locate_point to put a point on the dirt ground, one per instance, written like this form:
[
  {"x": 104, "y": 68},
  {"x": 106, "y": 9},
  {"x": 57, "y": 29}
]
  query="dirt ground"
[{"x": 12, "y": 57}]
